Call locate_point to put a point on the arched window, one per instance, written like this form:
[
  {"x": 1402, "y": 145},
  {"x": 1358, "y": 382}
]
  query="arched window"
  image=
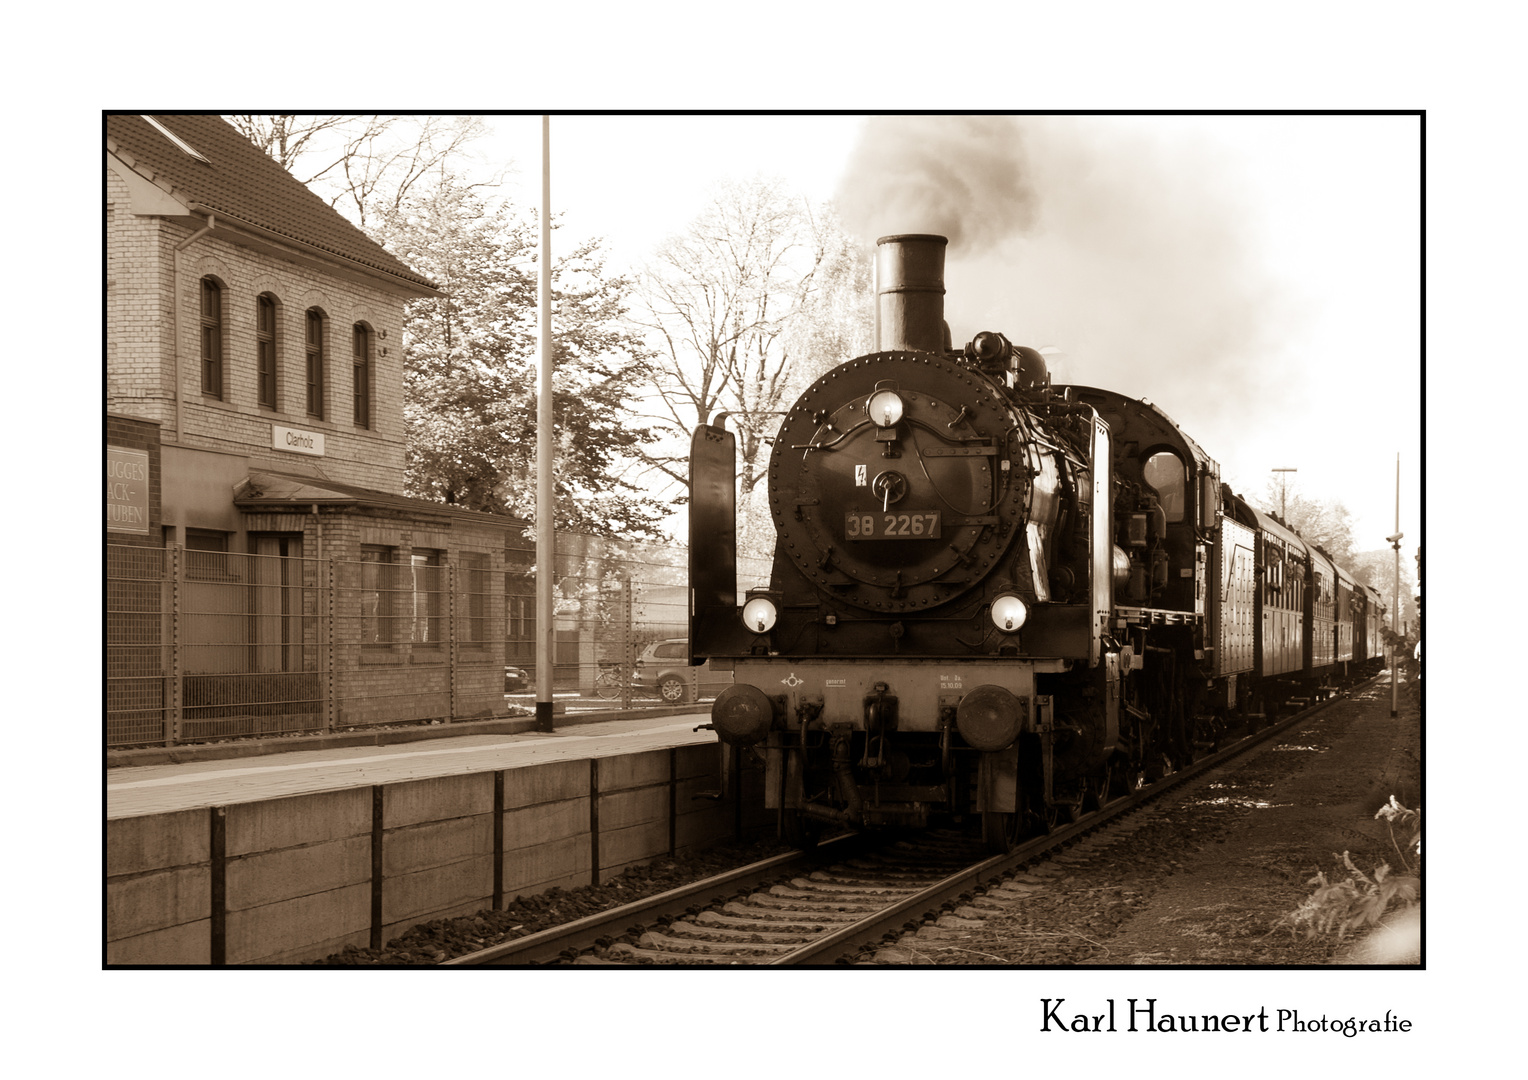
[
  {"x": 265, "y": 349},
  {"x": 1164, "y": 472},
  {"x": 315, "y": 352},
  {"x": 212, "y": 338},
  {"x": 361, "y": 380}
]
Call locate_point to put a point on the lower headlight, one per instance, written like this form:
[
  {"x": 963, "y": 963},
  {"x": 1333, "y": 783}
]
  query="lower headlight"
[
  {"x": 989, "y": 717},
  {"x": 1009, "y": 613},
  {"x": 742, "y": 715},
  {"x": 759, "y": 614}
]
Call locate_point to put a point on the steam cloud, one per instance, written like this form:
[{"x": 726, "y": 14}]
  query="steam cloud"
[
  {"x": 965, "y": 178},
  {"x": 1122, "y": 248}
]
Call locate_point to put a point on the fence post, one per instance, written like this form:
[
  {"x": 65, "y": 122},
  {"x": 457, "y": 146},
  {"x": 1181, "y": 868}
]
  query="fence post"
[
  {"x": 452, "y": 656},
  {"x": 173, "y": 698},
  {"x": 328, "y": 630},
  {"x": 628, "y": 653}
]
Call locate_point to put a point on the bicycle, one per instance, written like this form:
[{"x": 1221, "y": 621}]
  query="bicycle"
[{"x": 612, "y": 682}]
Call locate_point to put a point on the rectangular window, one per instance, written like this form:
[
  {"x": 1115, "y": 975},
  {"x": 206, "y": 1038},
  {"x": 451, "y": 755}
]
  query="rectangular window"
[
  {"x": 265, "y": 349},
  {"x": 428, "y": 597},
  {"x": 277, "y": 602},
  {"x": 520, "y": 617},
  {"x": 475, "y": 585},
  {"x": 362, "y": 376},
  {"x": 379, "y": 591},
  {"x": 207, "y": 555},
  {"x": 315, "y": 352},
  {"x": 212, "y": 338}
]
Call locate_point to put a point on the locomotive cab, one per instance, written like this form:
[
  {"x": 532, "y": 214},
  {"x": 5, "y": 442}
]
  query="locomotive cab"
[{"x": 1167, "y": 504}]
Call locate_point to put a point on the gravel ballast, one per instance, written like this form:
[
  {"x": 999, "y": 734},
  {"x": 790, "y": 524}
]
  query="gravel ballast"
[{"x": 1211, "y": 878}]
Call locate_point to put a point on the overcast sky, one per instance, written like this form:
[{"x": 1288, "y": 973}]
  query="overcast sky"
[{"x": 1257, "y": 277}]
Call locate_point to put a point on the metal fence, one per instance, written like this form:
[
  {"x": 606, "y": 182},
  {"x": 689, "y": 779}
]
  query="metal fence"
[
  {"x": 613, "y": 599},
  {"x": 209, "y": 644}
]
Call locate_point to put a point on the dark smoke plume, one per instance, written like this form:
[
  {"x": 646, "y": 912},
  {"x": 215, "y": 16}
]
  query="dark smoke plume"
[
  {"x": 964, "y": 178},
  {"x": 1123, "y": 247}
]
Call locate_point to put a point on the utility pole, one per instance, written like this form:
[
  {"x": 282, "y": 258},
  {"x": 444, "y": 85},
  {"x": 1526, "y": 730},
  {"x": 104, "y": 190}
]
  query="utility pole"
[
  {"x": 1283, "y": 512},
  {"x": 1395, "y": 611},
  {"x": 546, "y": 554}
]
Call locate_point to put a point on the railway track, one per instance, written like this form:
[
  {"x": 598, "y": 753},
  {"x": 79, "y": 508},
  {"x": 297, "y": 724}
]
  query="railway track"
[{"x": 840, "y": 902}]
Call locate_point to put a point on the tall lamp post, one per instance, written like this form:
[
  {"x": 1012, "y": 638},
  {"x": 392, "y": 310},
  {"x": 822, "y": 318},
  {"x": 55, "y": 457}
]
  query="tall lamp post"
[
  {"x": 546, "y": 537},
  {"x": 1395, "y": 612},
  {"x": 1283, "y": 513}
]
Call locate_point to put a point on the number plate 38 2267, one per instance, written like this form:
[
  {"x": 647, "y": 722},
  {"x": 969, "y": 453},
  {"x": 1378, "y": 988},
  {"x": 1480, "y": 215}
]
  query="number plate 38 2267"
[{"x": 892, "y": 526}]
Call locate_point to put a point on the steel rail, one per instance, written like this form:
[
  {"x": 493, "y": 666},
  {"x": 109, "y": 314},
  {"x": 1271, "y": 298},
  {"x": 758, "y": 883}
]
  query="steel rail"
[
  {"x": 554, "y": 944},
  {"x": 551, "y": 945},
  {"x": 841, "y": 945}
]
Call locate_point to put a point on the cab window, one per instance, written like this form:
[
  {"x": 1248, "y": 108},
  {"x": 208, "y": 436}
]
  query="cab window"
[{"x": 1164, "y": 472}]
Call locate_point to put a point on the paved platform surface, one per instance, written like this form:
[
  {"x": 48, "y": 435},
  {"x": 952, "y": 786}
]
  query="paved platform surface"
[{"x": 132, "y": 791}]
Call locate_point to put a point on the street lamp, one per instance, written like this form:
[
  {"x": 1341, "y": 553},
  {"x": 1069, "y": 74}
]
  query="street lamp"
[{"x": 1283, "y": 513}]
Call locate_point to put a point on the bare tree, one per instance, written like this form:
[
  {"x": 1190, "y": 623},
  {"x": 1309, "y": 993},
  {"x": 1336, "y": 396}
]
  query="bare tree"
[
  {"x": 363, "y": 165},
  {"x": 290, "y": 138},
  {"x": 740, "y": 305}
]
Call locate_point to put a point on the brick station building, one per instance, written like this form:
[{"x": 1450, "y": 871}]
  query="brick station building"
[{"x": 265, "y": 571}]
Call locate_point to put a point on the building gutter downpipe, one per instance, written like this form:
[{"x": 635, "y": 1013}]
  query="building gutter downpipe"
[{"x": 199, "y": 233}]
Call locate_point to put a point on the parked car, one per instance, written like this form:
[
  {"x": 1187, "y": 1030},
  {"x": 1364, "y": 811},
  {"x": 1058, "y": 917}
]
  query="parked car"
[
  {"x": 664, "y": 666},
  {"x": 516, "y": 679}
]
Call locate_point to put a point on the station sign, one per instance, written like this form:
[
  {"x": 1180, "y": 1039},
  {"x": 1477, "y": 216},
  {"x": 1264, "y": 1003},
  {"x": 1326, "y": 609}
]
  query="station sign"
[
  {"x": 297, "y": 441},
  {"x": 127, "y": 490}
]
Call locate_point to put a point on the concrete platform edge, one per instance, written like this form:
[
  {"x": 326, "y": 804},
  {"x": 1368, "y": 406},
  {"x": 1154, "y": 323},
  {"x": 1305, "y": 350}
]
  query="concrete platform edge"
[{"x": 251, "y": 748}]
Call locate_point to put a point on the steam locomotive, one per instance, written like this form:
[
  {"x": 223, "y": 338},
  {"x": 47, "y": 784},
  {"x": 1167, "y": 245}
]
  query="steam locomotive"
[{"x": 993, "y": 598}]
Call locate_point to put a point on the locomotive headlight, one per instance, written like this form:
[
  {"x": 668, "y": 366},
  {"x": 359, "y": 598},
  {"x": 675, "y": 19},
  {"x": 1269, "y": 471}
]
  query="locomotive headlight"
[
  {"x": 1009, "y": 613},
  {"x": 885, "y": 408},
  {"x": 760, "y": 613}
]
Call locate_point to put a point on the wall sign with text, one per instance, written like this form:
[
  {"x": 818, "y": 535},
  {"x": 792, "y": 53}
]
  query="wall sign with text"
[
  {"x": 297, "y": 440},
  {"x": 127, "y": 490}
]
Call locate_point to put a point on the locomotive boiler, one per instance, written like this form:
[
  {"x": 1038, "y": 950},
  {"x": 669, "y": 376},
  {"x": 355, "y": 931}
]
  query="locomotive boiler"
[{"x": 992, "y": 599}]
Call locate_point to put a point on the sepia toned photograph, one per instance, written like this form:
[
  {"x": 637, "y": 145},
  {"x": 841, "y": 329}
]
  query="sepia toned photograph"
[{"x": 824, "y": 540}]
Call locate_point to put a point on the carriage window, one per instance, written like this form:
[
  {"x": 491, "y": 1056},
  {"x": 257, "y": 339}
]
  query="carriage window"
[{"x": 1165, "y": 473}]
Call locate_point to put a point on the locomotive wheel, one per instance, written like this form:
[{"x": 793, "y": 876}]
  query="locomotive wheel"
[
  {"x": 1135, "y": 778},
  {"x": 1100, "y": 787},
  {"x": 1067, "y": 807},
  {"x": 1000, "y": 831}
]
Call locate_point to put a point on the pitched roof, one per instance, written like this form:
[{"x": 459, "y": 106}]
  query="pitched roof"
[
  {"x": 266, "y": 489},
  {"x": 241, "y": 184}
]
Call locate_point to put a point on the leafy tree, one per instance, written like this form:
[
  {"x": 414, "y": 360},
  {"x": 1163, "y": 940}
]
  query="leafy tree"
[
  {"x": 1328, "y": 523},
  {"x": 471, "y": 357},
  {"x": 1377, "y": 569},
  {"x": 1324, "y": 522}
]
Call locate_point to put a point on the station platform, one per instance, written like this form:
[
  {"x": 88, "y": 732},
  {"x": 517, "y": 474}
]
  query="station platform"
[
  {"x": 275, "y": 854},
  {"x": 134, "y": 790}
]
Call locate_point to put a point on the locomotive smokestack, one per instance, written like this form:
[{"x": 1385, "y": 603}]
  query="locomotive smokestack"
[{"x": 909, "y": 274}]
